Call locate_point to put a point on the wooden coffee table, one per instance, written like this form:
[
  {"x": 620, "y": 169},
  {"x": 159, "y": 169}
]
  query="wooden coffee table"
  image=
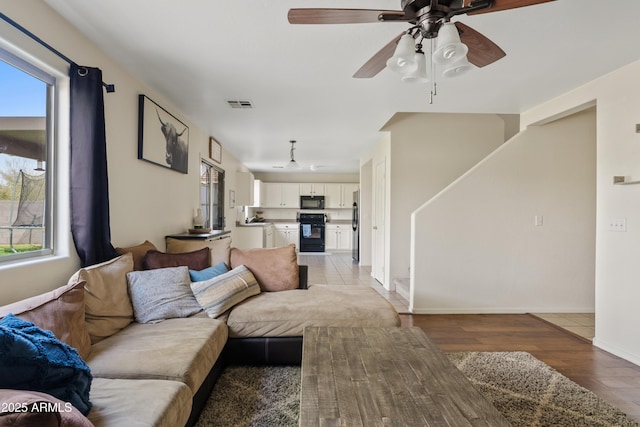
[{"x": 385, "y": 377}]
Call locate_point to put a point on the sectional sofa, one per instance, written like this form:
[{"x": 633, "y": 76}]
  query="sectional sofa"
[{"x": 155, "y": 340}]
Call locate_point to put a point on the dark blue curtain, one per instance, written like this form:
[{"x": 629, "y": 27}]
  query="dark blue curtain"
[{"x": 89, "y": 184}]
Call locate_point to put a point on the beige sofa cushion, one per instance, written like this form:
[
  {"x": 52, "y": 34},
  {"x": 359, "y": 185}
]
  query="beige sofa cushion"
[
  {"x": 181, "y": 349},
  {"x": 61, "y": 311},
  {"x": 287, "y": 313},
  {"x": 138, "y": 403},
  {"x": 107, "y": 304},
  {"x": 275, "y": 268},
  {"x": 219, "y": 248}
]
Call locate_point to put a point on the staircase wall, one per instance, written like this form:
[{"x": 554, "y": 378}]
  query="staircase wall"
[
  {"x": 476, "y": 247},
  {"x": 428, "y": 151}
]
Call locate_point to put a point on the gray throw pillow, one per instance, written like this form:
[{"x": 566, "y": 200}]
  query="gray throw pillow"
[{"x": 161, "y": 294}]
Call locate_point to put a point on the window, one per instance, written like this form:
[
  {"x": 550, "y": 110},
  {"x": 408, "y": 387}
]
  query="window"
[
  {"x": 212, "y": 195},
  {"x": 25, "y": 152}
]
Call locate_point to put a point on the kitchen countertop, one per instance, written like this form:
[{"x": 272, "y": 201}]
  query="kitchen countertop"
[
  {"x": 288, "y": 221},
  {"x": 253, "y": 224},
  {"x": 199, "y": 236}
]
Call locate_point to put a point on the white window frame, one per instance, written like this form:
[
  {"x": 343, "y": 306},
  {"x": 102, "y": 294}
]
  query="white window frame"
[{"x": 48, "y": 242}]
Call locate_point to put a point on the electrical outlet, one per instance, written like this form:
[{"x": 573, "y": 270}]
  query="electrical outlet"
[
  {"x": 619, "y": 224},
  {"x": 538, "y": 220}
]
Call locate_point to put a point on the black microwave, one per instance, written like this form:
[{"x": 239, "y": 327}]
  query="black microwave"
[{"x": 311, "y": 202}]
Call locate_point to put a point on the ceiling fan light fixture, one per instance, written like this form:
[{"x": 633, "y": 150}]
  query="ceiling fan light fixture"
[
  {"x": 450, "y": 49},
  {"x": 402, "y": 60},
  {"x": 420, "y": 74},
  {"x": 458, "y": 68}
]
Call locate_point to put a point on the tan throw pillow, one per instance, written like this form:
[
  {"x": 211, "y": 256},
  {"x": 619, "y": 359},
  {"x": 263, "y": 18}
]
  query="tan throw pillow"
[
  {"x": 107, "y": 303},
  {"x": 219, "y": 248},
  {"x": 61, "y": 311},
  {"x": 276, "y": 269},
  {"x": 138, "y": 252},
  {"x": 196, "y": 260},
  {"x": 219, "y": 294}
]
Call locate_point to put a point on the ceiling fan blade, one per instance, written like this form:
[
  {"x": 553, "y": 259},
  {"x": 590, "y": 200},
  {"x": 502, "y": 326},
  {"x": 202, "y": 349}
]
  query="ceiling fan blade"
[
  {"x": 339, "y": 16},
  {"x": 482, "y": 51},
  {"x": 505, "y": 4},
  {"x": 378, "y": 62}
]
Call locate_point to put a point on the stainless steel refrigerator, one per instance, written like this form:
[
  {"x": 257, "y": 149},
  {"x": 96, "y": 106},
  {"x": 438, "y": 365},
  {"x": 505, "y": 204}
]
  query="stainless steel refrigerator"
[{"x": 355, "y": 225}]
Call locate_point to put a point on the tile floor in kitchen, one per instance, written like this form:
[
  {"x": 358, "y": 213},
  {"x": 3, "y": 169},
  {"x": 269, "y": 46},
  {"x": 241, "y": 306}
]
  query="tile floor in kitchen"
[
  {"x": 339, "y": 269},
  {"x": 581, "y": 324}
]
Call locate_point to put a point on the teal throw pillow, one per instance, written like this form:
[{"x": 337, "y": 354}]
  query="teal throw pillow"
[{"x": 208, "y": 273}]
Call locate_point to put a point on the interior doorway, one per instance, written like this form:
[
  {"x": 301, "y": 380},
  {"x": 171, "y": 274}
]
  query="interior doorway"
[{"x": 378, "y": 222}]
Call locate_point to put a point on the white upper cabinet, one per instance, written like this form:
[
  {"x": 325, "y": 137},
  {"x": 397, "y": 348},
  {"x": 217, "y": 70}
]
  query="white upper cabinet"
[
  {"x": 339, "y": 196},
  {"x": 281, "y": 195},
  {"x": 244, "y": 189},
  {"x": 309, "y": 189}
]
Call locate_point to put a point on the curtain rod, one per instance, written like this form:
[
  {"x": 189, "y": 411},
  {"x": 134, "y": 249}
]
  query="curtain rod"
[{"x": 109, "y": 87}]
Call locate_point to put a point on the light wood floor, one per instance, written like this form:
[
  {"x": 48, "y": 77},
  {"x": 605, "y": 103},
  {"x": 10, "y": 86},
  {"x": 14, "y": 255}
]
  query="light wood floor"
[{"x": 610, "y": 377}]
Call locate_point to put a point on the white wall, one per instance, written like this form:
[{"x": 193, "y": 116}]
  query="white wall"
[
  {"x": 476, "y": 246},
  {"x": 147, "y": 201},
  {"x": 428, "y": 152},
  {"x": 617, "y": 270}
]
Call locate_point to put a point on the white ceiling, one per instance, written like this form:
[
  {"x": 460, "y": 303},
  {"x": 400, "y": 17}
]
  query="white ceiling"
[{"x": 200, "y": 53}]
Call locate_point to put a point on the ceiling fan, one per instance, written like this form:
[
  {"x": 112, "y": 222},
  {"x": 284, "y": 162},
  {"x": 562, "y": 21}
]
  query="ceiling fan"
[{"x": 427, "y": 18}]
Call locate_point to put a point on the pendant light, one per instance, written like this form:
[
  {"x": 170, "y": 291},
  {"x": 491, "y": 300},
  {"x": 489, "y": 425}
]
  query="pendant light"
[{"x": 292, "y": 165}]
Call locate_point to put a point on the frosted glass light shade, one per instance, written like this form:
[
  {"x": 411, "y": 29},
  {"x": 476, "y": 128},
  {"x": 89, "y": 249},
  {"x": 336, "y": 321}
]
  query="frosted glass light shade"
[
  {"x": 293, "y": 165},
  {"x": 402, "y": 60},
  {"x": 450, "y": 49},
  {"x": 420, "y": 73},
  {"x": 458, "y": 68}
]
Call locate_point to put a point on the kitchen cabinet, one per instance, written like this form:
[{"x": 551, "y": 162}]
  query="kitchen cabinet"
[
  {"x": 286, "y": 234},
  {"x": 258, "y": 194},
  {"x": 309, "y": 189},
  {"x": 339, "y": 196},
  {"x": 268, "y": 240},
  {"x": 254, "y": 236},
  {"x": 248, "y": 237},
  {"x": 281, "y": 195},
  {"x": 338, "y": 237},
  {"x": 244, "y": 189}
]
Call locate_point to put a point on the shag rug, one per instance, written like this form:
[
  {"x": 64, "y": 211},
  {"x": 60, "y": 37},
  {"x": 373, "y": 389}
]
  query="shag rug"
[{"x": 525, "y": 390}]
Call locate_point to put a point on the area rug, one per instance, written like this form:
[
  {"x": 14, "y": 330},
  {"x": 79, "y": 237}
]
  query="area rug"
[{"x": 525, "y": 390}]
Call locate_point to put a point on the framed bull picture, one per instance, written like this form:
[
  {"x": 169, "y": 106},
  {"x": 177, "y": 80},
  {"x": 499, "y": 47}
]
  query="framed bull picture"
[{"x": 162, "y": 138}]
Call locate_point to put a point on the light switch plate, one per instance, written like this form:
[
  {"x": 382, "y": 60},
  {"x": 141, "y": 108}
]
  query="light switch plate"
[{"x": 618, "y": 224}]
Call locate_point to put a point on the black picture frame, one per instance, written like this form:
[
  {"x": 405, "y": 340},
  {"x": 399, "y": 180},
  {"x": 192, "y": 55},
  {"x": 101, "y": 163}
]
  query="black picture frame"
[{"x": 162, "y": 139}]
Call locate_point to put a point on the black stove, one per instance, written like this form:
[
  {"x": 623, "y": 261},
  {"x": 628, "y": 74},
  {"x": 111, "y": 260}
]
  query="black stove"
[{"x": 311, "y": 232}]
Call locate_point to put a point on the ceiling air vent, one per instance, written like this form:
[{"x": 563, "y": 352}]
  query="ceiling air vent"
[{"x": 239, "y": 104}]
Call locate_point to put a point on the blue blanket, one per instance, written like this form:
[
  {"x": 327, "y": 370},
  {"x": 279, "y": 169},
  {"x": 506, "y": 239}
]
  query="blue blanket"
[{"x": 34, "y": 359}]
